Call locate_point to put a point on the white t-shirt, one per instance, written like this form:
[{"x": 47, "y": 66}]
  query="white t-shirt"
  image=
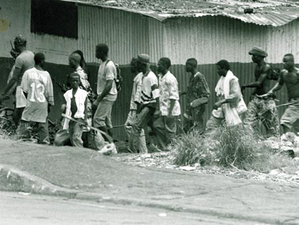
[
  {"x": 107, "y": 71},
  {"x": 169, "y": 90},
  {"x": 39, "y": 88}
]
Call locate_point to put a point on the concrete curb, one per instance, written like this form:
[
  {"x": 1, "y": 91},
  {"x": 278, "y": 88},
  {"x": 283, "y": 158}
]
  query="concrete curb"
[
  {"x": 176, "y": 208},
  {"x": 13, "y": 179}
]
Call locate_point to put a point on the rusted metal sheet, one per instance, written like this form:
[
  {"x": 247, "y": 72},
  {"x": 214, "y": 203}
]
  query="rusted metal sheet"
[{"x": 267, "y": 13}]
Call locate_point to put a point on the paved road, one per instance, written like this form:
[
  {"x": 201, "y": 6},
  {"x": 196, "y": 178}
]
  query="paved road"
[
  {"x": 22, "y": 209},
  {"x": 97, "y": 177}
]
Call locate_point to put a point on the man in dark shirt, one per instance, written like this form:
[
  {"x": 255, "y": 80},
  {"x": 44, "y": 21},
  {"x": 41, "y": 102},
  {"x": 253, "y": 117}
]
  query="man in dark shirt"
[
  {"x": 261, "y": 108},
  {"x": 289, "y": 76},
  {"x": 197, "y": 88}
]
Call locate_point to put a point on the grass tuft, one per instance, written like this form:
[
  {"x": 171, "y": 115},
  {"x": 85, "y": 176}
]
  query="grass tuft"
[{"x": 229, "y": 147}]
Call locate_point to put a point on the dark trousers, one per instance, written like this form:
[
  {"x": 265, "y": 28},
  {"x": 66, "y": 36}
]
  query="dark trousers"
[
  {"x": 165, "y": 129},
  {"x": 17, "y": 115},
  {"x": 24, "y": 131},
  {"x": 143, "y": 118}
]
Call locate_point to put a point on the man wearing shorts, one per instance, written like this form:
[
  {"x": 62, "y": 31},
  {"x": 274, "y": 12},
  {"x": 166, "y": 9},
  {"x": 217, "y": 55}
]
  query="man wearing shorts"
[{"x": 289, "y": 76}]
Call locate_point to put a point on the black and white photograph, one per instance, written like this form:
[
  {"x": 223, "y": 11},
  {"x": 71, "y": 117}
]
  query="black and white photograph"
[{"x": 153, "y": 112}]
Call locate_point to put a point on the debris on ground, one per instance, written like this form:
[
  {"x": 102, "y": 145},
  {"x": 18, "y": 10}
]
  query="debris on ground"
[{"x": 164, "y": 160}]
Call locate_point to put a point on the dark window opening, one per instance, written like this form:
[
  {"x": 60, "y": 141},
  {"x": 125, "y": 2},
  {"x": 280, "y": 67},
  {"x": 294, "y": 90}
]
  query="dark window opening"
[{"x": 54, "y": 17}]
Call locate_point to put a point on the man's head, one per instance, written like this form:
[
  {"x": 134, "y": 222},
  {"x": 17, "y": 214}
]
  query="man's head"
[
  {"x": 102, "y": 51},
  {"x": 191, "y": 65},
  {"x": 133, "y": 65},
  {"x": 257, "y": 54},
  {"x": 20, "y": 43},
  {"x": 288, "y": 61},
  {"x": 75, "y": 80},
  {"x": 143, "y": 61},
  {"x": 164, "y": 65},
  {"x": 39, "y": 59},
  {"x": 222, "y": 67},
  {"x": 74, "y": 60}
]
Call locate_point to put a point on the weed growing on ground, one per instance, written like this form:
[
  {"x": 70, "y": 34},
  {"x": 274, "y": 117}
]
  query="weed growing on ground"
[
  {"x": 229, "y": 147},
  {"x": 192, "y": 148}
]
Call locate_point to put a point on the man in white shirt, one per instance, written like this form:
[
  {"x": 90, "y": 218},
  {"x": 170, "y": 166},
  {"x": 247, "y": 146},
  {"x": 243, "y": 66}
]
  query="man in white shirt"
[
  {"x": 132, "y": 116},
  {"x": 37, "y": 84},
  {"x": 106, "y": 90},
  {"x": 230, "y": 106},
  {"x": 149, "y": 99},
  {"x": 75, "y": 107},
  {"x": 165, "y": 125}
]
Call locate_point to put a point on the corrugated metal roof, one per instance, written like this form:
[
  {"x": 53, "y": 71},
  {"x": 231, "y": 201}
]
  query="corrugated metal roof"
[{"x": 265, "y": 12}]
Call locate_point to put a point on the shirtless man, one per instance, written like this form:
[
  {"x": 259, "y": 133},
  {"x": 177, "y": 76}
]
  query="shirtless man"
[
  {"x": 290, "y": 77},
  {"x": 261, "y": 107}
]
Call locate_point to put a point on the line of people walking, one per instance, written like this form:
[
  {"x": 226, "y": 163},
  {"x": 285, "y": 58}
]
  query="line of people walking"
[{"x": 155, "y": 99}]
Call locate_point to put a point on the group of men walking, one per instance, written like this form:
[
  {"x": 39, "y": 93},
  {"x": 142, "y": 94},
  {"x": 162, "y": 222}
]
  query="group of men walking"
[{"x": 154, "y": 98}]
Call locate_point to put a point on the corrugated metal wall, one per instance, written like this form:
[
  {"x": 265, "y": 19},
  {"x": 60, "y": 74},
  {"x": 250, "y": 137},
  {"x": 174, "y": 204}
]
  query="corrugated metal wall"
[
  {"x": 125, "y": 33},
  {"x": 283, "y": 40},
  {"x": 210, "y": 39}
]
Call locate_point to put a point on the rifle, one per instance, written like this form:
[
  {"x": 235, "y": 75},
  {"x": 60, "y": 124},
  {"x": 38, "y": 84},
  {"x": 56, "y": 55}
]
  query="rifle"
[{"x": 13, "y": 52}]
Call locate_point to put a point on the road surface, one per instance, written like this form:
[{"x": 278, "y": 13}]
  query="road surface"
[{"x": 24, "y": 208}]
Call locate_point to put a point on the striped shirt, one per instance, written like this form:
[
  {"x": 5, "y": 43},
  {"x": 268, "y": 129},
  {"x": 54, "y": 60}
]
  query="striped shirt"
[{"x": 149, "y": 88}]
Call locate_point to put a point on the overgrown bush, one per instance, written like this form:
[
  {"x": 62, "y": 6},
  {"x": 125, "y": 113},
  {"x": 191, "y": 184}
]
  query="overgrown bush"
[{"x": 233, "y": 146}]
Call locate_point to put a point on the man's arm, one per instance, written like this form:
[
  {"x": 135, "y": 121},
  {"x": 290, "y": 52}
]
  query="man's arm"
[
  {"x": 13, "y": 80},
  {"x": 257, "y": 83},
  {"x": 203, "y": 89},
  {"x": 234, "y": 94},
  {"x": 156, "y": 96},
  {"x": 172, "y": 103},
  {"x": 105, "y": 91},
  {"x": 173, "y": 94},
  {"x": 63, "y": 105},
  {"x": 278, "y": 85},
  {"x": 85, "y": 109},
  {"x": 261, "y": 79},
  {"x": 110, "y": 74}
]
